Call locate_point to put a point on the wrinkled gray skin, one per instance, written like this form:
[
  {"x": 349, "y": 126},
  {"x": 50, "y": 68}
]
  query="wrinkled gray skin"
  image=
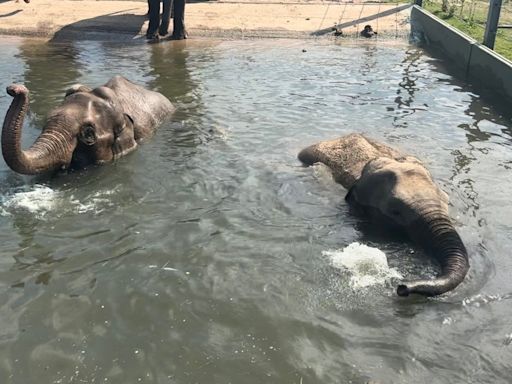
[
  {"x": 89, "y": 127},
  {"x": 392, "y": 187}
]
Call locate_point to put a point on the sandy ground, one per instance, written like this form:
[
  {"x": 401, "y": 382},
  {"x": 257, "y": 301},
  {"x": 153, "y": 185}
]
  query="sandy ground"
[{"x": 231, "y": 18}]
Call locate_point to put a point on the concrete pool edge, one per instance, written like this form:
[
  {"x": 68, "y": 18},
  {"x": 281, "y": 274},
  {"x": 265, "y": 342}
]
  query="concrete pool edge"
[{"x": 474, "y": 62}]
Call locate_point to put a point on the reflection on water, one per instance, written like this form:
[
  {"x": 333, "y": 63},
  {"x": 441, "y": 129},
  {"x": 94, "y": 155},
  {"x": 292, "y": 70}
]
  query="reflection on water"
[
  {"x": 48, "y": 67},
  {"x": 199, "y": 257},
  {"x": 407, "y": 88}
]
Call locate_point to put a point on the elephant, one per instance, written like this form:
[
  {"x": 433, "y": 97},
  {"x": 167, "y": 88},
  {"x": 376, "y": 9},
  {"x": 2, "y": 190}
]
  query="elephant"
[
  {"x": 91, "y": 126},
  {"x": 395, "y": 189}
]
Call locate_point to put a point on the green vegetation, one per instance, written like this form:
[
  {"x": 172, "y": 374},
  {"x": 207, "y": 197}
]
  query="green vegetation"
[{"x": 470, "y": 17}]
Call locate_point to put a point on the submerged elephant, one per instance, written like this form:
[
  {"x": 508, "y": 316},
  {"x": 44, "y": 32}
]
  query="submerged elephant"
[
  {"x": 89, "y": 127},
  {"x": 396, "y": 189}
]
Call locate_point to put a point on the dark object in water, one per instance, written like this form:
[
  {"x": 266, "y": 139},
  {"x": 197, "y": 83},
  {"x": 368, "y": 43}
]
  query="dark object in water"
[
  {"x": 338, "y": 32},
  {"x": 368, "y": 31}
]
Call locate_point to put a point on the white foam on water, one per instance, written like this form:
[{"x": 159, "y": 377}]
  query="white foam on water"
[
  {"x": 38, "y": 201},
  {"x": 508, "y": 339},
  {"x": 98, "y": 201},
  {"x": 481, "y": 299},
  {"x": 92, "y": 203},
  {"x": 368, "y": 266},
  {"x": 447, "y": 321},
  {"x": 164, "y": 268}
]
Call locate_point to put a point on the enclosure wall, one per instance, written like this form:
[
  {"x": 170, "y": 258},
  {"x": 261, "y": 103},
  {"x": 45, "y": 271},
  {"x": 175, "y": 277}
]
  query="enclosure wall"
[{"x": 474, "y": 62}]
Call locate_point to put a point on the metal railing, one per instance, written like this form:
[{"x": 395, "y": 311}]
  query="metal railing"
[{"x": 484, "y": 20}]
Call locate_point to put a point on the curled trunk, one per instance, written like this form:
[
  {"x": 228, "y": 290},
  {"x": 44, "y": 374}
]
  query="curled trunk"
[
  {"x": 52, "y": 149},
  {"x": 446, "y": 245}
]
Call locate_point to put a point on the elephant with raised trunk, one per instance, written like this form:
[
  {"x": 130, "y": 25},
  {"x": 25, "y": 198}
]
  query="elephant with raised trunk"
[
  {"x": 396, "y": 189},
  {"x": 91, "y": 126}
]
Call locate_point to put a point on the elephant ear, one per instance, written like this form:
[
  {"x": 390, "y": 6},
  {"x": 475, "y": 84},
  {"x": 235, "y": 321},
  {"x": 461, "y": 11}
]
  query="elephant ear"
[
  {"x": 129, "y": 119},
  {"x": 353, "y": 198},
  {"x": 375, "y": 185},
  {"x": 355, "y": 206},
  {"x": 110, "y": 97},
  {"x": 128, "y": 123},
  {"x": 106, "y": 94},
  {"x": 349, "y": 197},
  {"x": 77, "y": 88}
]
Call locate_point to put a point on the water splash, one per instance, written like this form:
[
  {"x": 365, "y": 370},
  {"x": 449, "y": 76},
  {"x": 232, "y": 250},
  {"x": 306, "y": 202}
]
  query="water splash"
[
  {"x": 3, "y": 212},
  {"x": 368, "y": 266},
  {"x": 508, "y": 340},
  {"x": 38, "y": 201},
  {"x": 95, "y": 203},
  {"x": 482, "y": 299},
  {"x": 447, "y": 321}
]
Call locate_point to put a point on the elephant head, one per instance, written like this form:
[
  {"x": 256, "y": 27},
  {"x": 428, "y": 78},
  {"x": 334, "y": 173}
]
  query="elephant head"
[
  {"x": 395, "y": 188},
  {"x": 89, "y": 127}
]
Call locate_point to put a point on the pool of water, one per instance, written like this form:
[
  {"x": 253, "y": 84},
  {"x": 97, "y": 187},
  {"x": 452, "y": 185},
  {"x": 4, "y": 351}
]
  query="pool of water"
[{"x": 206, "y": 256}]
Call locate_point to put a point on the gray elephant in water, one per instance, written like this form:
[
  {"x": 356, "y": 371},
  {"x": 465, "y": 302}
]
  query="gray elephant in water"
[
  {"x": 396, "y": 189},
  {"x": 91, "y": 126}
]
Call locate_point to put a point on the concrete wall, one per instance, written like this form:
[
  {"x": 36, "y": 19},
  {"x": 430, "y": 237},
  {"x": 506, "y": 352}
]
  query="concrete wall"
[{"x": 474, "y": 62}]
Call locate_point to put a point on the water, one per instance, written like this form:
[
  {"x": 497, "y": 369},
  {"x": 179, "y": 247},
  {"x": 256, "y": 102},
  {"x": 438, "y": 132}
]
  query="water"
[
  {"x": 368, "y": 266},
  {"x": 200, "y": 258}
]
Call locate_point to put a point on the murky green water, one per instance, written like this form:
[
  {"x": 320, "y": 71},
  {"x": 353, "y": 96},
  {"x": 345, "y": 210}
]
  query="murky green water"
[{"x": 198, "y": 258}]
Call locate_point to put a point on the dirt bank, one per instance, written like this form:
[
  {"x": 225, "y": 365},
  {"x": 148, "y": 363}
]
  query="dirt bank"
[{"x": 228, "y": 19}]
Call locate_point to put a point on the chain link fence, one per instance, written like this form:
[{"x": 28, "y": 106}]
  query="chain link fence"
[{"x": 470, "y": 16}]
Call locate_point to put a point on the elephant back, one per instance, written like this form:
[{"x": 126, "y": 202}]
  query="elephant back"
[
  {"x": 148, "y": 109},
  {"x": 347, "y": 156}
]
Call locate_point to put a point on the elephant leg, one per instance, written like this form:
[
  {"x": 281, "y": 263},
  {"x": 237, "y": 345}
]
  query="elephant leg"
[
  {"x": 179, "y": 32},
  {"x": 166, "y": 16},
  {"x": 154, "y": 18}
]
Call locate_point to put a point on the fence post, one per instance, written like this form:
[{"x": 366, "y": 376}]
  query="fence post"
[{"x": 491, "y": 27}]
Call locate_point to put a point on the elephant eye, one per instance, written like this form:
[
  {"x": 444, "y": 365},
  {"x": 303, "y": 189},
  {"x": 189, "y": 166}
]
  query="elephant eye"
[
  {"x": 87, "y": 135},
  {"x": 395, "y": 212}
]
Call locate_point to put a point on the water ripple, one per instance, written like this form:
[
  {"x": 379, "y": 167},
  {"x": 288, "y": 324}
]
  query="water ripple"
[{"x": 199, "y": 256}]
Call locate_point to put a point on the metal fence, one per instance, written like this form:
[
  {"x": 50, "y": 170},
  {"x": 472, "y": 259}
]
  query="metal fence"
[{"x": 487, "y": 21}]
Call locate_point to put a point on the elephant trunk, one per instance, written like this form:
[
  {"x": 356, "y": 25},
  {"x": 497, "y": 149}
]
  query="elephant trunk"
[
  {"x": 445, "y": 243},
  {"x": 52, "y": 150}
]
